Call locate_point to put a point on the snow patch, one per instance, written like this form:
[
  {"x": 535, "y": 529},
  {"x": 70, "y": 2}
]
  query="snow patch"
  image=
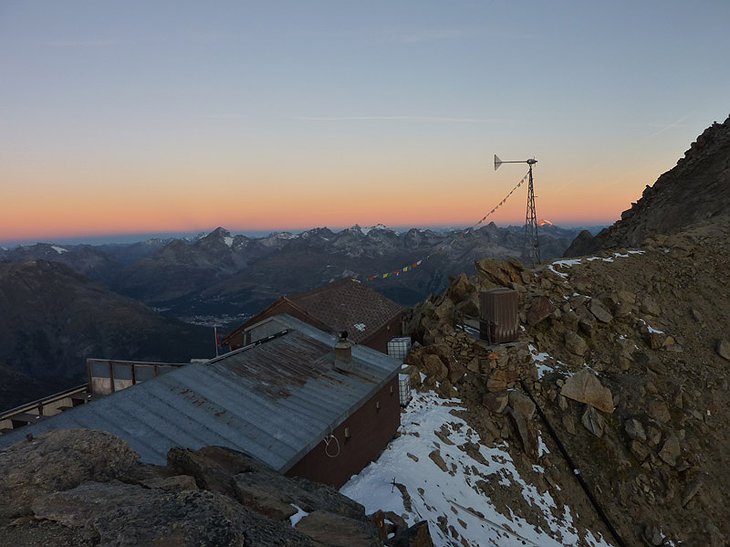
[
  {"x": 567, "y": 263},
  {"x": 228, "y": 240},
  {"x": 455, "y": 495},
  {"x": 365, "y": 231},
  {"x": 651, "y": 329},
  {"x": 299, "y": 515},
  {"x": 59, "y": 250},
  {"x": 563, "y": 264},
  {"x": 539, "y": 360}
]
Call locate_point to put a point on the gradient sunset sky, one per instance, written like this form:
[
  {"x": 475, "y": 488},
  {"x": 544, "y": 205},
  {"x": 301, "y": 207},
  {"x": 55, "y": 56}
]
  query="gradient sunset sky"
[{"x": 141, "y": 117}]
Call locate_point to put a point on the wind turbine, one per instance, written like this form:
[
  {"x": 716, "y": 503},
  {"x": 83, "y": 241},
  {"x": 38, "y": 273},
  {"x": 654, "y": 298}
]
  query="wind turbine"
[{"x": 532, "y": 242}]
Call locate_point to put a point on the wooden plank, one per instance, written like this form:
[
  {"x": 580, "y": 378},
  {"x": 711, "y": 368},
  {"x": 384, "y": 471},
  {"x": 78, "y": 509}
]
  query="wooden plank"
[{"x": 25, "y": 418}]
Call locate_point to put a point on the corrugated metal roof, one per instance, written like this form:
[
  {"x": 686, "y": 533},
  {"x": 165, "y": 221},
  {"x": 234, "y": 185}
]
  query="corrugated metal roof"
[{"x": 275, "y": 401}]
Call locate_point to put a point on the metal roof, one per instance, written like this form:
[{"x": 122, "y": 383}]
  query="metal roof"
[{"x": 275, "y": 400}]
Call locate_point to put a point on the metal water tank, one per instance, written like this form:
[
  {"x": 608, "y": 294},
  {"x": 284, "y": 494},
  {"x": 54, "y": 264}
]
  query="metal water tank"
[{"x": 499, "y": 319}]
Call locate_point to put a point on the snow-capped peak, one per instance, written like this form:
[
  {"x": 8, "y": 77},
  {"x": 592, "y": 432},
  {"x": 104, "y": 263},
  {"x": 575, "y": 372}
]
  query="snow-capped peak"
[{"x": 376, "y": 227}]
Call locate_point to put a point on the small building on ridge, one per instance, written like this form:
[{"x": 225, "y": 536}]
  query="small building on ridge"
[
  {"x": 298, "y": 400},
  {"x": 369, "y": 318}
]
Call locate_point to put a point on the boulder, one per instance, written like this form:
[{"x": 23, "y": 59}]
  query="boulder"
[
  {"x": 599, "y": 311},
  {"x": 671, "y": 450},
  {"x": 436, "y": 458},
  {"x": 654, "y": 338},
  {"x": 521, "y": 409},
  {"x": 176, "y": 483},
  {"x": 499, "y": 273},
  {"x": 593, "y": 421},
  {"x": 460, "y": 289},
  {"x": 658, "y": 410},
  {"x": 723, "y": 349},
  {"x": 434, "y": 367},
  {"x": 649, "y": 306},
  {"x": 125, "y": 514},
  {"x": 521, "y": 404},
  {"x": 59, "y": 460},
  {"x": 242, "y": 478},
  {"x": 640, "y": 450},
  {"x": 634, "y": 429},
  {"x": 417, "y": 535},
  {"x": 540, "y": 309},
  {"x": 337, "y": 530},
  {"x": 496, "y": 402},
  {"x": 584, "y": 387},
  {"x": 79, "y": 487},
  {"x": 575, "y": 344},
  {"x": 569, "y": 423},
  {"x": 263, "y": 499}
]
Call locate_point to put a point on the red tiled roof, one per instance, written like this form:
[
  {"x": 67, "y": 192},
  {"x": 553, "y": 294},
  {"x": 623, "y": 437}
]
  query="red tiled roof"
[
  {"x": 348, "y": 305},
  {"x": 342, "y": 305}
]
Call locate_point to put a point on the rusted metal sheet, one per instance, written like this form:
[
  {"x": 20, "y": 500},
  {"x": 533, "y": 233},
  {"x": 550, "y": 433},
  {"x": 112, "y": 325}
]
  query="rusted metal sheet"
[
  {"x": 499, "y": 319},
  {"x": 274, "y": 401}
]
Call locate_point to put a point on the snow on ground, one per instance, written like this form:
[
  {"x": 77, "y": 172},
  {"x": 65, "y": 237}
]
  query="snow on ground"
[
  {"x": 228, "y": 241},
  {"x": 563, "y": 264},
  {"x": 567, "y": 263},
  {"x": 651, "y": 329},
  {"x": 299, "y": 515},
  {"x": 541, "y": 361},
  {"x": 457, "y": 495},
  {"x": 59, "y": 250}
]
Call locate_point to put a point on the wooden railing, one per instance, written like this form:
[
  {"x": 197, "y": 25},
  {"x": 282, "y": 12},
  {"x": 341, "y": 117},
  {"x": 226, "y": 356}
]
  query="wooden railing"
[
  {"x": 46, "y": 406},
  {"x": 107, "y": 376}
]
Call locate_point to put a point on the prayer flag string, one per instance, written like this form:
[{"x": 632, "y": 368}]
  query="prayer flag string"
[{"x": 450, "y": 242}]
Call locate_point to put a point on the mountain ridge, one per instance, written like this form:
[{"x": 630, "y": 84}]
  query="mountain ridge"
[{"x": 695, "y": 190}]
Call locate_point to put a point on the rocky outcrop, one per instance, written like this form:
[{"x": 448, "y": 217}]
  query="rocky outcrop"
[
  {"x": 81, "y": 487},
  {"x": 623, "y": 355},
  {"x": 584, "y": 387},
  {"x": 692, "y": 192}
]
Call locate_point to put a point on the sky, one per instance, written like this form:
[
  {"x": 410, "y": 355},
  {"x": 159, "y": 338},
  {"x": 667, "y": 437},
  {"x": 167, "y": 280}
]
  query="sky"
[{"x": 149, "y": 117}]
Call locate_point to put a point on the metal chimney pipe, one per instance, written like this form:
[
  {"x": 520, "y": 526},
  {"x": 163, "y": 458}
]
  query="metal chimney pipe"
[{"x": 343, "y": 349}]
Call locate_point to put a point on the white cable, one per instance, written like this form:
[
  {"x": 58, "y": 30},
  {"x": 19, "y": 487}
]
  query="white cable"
[{"x": 327, "y": 441}]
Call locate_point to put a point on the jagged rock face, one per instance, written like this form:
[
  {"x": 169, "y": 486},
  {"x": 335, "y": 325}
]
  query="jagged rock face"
[
  {"x": 649, "y": 424},
  {"x": 696, "y": 190},
  {"x": 81, "y": 487}
]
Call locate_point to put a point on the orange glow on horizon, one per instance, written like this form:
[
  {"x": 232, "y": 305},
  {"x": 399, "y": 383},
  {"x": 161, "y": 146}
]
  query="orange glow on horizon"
[{"x": 74, "y": 206}]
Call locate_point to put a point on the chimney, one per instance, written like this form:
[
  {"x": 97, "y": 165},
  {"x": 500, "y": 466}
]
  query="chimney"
[{"x": 343, "y": 353}]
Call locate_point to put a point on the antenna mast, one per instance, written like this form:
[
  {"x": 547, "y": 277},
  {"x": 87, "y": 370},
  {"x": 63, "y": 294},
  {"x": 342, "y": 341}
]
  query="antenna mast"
[{"x": 532, "y": 243}]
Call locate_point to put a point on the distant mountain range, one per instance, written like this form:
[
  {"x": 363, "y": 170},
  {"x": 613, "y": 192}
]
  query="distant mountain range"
[
  {"x": 220, "y": 277},
  {"x": 157, "y": 299}
]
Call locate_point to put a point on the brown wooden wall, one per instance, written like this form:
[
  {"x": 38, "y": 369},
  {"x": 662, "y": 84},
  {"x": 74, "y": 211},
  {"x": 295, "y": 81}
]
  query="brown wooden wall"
[
  {"x": 370, "y": 431},
  {"x": 380, "y": 338}
]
